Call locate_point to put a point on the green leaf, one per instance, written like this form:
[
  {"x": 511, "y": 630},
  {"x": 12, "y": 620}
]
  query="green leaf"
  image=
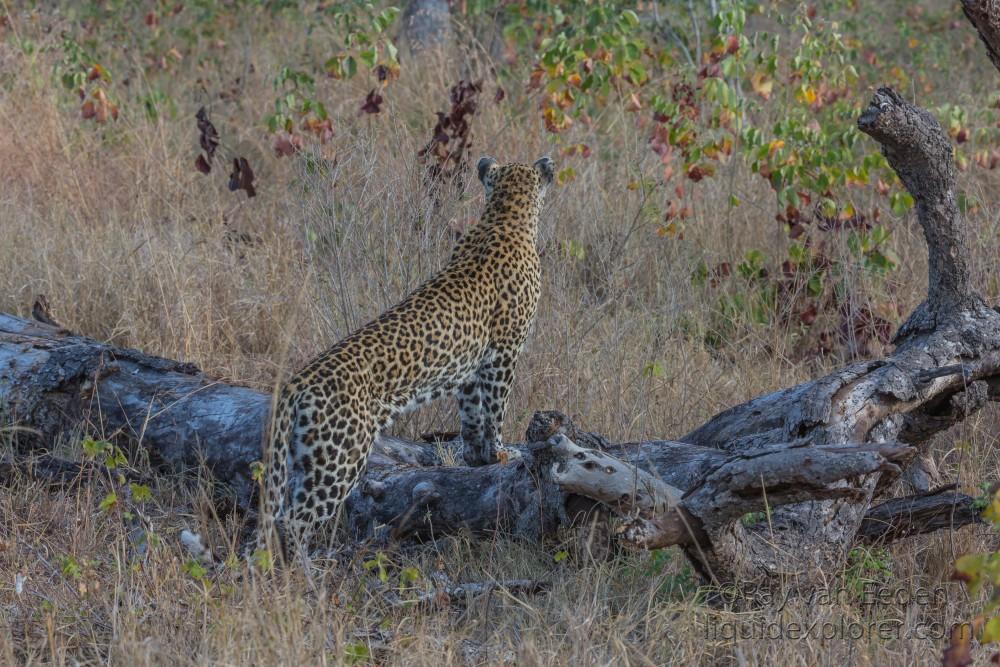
[
  {"x": 972, "y": 566},
  {"x": 653, "y": 370},
  {"x": 631, "y": 18},
  {"x": 261, "y": 560},
  {"x": 900, "y": 202},
  {"x": 69, "y": 567},
  {"x": 408, "y": 575},
  {"x": 109, "y": 501},
  {"x": 815, "y": 285},
  {"x": 574, "y": 249},
  {"x": 560, "y": 556},
  {"x": 357, "y": 652},
  {"x": 140, "y": 492},
  {"x": 195, "y": 570},
  {"x": 350, "y": 67},
  {"x": 991, "y": 631}
]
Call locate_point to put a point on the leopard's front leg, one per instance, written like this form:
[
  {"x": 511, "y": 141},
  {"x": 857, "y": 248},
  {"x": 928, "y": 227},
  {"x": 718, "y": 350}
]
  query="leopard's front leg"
[{"x": 482, "y": 403}]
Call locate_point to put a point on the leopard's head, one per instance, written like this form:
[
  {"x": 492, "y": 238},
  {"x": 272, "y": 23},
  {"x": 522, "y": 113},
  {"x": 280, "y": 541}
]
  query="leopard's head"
[{"x": 524, "y": 183}]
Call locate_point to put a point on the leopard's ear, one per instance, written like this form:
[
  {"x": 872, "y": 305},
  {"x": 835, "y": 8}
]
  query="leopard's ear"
[
  {"x": 483, "y": 167},
  {"x": 546, "y": 169}
]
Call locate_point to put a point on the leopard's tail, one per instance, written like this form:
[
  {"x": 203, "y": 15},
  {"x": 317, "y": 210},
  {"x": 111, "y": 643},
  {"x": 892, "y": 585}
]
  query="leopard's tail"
[
  {"x": 274, "y": 493},
  {"x": 277, "y": 463}
]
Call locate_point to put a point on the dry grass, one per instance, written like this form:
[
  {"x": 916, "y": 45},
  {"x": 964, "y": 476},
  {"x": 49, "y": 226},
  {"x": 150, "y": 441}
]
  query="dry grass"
[{"x": 133, "y": 246}]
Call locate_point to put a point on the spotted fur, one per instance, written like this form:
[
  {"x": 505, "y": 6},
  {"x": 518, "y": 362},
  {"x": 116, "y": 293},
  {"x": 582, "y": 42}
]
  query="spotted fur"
[{"x": 459, "y": 333}]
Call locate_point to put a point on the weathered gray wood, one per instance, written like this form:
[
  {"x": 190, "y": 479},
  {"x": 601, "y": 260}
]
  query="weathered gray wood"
[
  {"x": 985, "y": 18},
  {"x": 914, "y": 515},
  {"x": 56, "y": 382},
  {"x": 612, "y": 481}
]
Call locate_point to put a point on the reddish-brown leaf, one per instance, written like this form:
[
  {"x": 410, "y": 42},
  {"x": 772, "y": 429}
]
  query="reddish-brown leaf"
[
  {"x": 242, "y": 177},
  {"x": 373, "y": 102},
  {"x": 287, "y": 144},
  {"x": 202, "y": 165},
  {"x": 208, "y": 135},
  {"x": 321, "y": 128}
]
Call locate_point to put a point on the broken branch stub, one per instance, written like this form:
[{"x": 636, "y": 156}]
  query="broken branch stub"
[
  {"x": 920, "y": 153},
  {"x": 618, "y": 484}
]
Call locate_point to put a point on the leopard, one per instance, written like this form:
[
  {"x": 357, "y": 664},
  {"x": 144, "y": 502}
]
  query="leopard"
[{"x": 459, "y": 333}]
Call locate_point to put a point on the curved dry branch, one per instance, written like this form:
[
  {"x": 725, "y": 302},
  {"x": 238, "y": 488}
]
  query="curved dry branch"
[
  {"x": 943, "y": 508},
  {"x": 920, "y": 153}
]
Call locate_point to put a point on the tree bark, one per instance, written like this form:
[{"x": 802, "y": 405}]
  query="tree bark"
[
  {"x": 427, "y": 26},
  {"x": 985, "y": 18}
]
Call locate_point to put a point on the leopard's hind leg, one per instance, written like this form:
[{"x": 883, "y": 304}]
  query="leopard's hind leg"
[{"x": 330, "y": 445}]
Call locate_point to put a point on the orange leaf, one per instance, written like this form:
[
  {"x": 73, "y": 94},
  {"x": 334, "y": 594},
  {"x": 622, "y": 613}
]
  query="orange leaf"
[{"x": 762, "y": 85}]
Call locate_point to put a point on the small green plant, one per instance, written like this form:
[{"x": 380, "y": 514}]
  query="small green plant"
[
  {"x": 751, "y": 519},
  {"x": 262, "y": 560},
  {"x": 70, "y": 567},
  {"x": 108, "y": 502},
  {"x": 362, "y": 33},
  {"x": 379, "y": 564},
  {"x": 357, "y": 653},
  {"x": 140, "y": 493},
  {"x": 297, "y": 103},
  {"x": 867, "y": 566},
  {"x": 673, "y": 585},
  {"x": 107, "y": 453},
  {"x": 195, "y": 570}
]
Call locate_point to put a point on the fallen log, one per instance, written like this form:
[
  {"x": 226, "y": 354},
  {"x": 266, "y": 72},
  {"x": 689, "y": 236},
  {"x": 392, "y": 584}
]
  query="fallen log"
[{"x": 57, "y": 382}]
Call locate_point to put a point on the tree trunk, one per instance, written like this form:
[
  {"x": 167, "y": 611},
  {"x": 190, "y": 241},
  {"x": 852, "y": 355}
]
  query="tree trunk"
[{"x": 426, "y": 26}]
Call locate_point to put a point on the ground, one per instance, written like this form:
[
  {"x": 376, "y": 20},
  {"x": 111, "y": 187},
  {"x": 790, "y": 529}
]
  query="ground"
[{"x": 133, "y": 245}]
